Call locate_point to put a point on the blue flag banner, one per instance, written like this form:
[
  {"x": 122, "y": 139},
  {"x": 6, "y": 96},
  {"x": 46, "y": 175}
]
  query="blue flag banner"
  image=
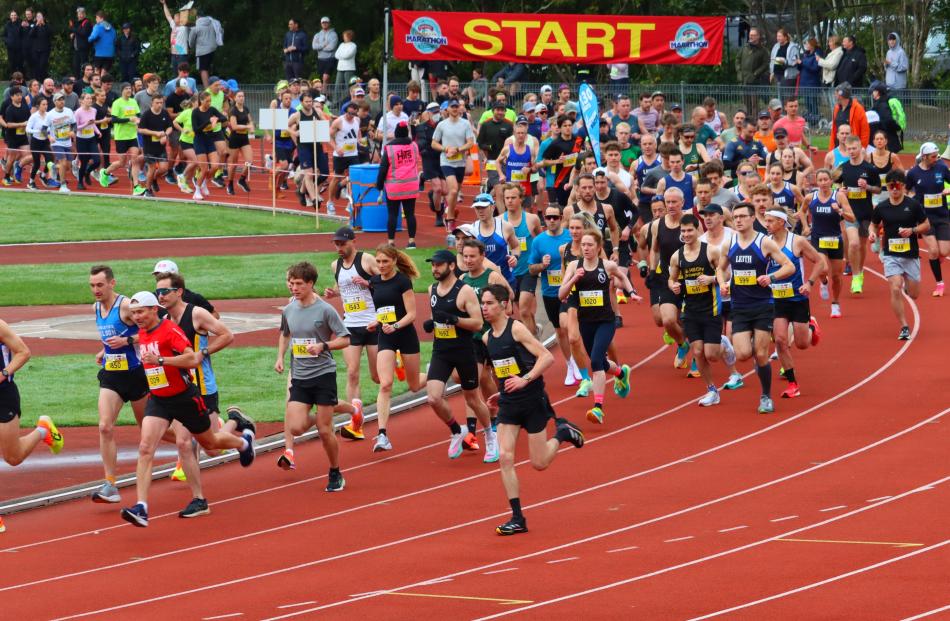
[{"x": 591, "y": 115}]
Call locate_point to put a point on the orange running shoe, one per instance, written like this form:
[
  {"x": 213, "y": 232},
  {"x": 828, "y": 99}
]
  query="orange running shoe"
[
  {"x": 354, "y": 430},
  {"x": 286, "y": 461},
  {"x": 53, "y": 438},
  {"x": 400, "y": 367},
  {"x": 470, "y": 442}
]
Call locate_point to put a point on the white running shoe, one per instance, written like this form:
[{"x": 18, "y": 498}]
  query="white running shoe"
[
  {"x": 197, "y": 195},
  {"x": 711, "y": 398},
  {"x": 491, "y": 446},
  {"x": 64, "y": 189},
  {"x": 728, "y": 351},
  {"x": 835, "y": 311},
  {"x": 382, "y": 443},
  {"x": 569, "y": 379},
  {"x": 824, "y": 291},
  {"x": 574, "y": 368},
  {"x": 331, "y": 209},
  {"x": 455, "y": 444},
  {"x": 204, "y": 188},
  {"x": 773, "y": 355}
]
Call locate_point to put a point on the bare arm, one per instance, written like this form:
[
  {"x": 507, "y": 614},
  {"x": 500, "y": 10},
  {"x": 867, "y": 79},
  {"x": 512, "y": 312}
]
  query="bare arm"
[
  {"x": 21, "y": 353},
  {"x": 468, "y": 303},
  {"x": 204, "y": 320}
]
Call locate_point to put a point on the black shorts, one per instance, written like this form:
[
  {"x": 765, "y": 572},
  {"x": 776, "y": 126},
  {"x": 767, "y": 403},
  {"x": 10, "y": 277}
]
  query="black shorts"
[
  {"x": 205, "y": 62},
  {"x": 320, "y": 390},
  {"x": 187, "y": 408},
  {"x": 833, "y": 254},
  {"x": 706, "y": 328},
  {"x": 461, "y": 359},
  {"x": 157, "y": 157},
  {"x": 531, "y": 414},
  {"x": 666, "y": 296},
  {"x": 362, "y": 337},
  {"x": 431, "y": 169},
  {"x": 326, "y": 66},
  {"x": 9, "y": 402},
  {"x": 939, "y": 228},
  {"x": 481, "y": 352},
  {"x": 16, "y": 141},
  {"x": 122, "y": 146},
  {"x": 796, "y": 311},
  {"x": 453, "y": 171},
  {"x": 342, "y": 164},
  {"x": 130, "y": 385},
  {"x": 625, "y": 253},
  {"x": 102, "y": 62},
  {"x": 236, "y": 140},
  {"x": 655, "y": 295},
  {"x": 285, "y": 154},
  {"x": 553, "y": 307},
  {"x": 749, "y": 319},
  {"x": 526, "y": 283},
  {"x": 211, "y": 403},
  {"x": 727, "y": 310},
  {"x": 405, "y": 340}
]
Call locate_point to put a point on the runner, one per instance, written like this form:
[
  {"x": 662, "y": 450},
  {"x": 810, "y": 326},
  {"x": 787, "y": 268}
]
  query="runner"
[
  {"x": 352, "y": 273},
  {"x": 345, "y": 134},
  {"x": 626, "y": 215},
  {"x": 40, "y": 149},
  {"x": 502, "y": 247},
  {"x": 516, "y": 162},
  {"x": 793, "y": 322},
  {"x": 822, "y": 215},
  {"x": 305, "y": 153},
  {"x": 839, "y": 155},
  {"x": 591, "y": 276},
  {"x": 87, "y": 142},
  {"x": 602, "y": 214},
  {"x": 785, "y": 195},
  {"x": 60, "y": 126},
  {"x": 761, "y": 199},
  {"x": 578, "y": 224},
  {"x": 677, "y": 178},
  {"x": 125, "y": 118},
  {"x": 186, "y": 141},
  {"x": 312, "y": 329},
  {"x": 15, "y": 116},
  {"x": 155, "y": 127},
  {"x": 395, "y": 307},
  {"x": 752, "y": 305},
  {"x": 903, "y": 219},
  {"x": 453, "y": 138},
  {"x": 665, "y": 238},
  {"x": 860, "y": 180},
  {"x": 207, "y": 122},
  {"x": 240, "y": 154},
  {"x": 455, "y": 317},
  {"x": 519, "y": 362},
  {"x": 747, "y": 178},
  {"x": 431, "y": 170},
  {"x": 561, "y": 154},
  {"x": 926, "y": 183},
  {"x": 166, "y": 356},
  {"x": 527, "y": 227}
]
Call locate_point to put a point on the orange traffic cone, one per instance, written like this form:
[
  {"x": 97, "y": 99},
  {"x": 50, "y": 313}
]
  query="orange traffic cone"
[{"x": 476, "y": 177}]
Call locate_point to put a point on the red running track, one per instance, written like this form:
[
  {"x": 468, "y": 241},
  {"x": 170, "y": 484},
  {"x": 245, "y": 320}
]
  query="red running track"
[{"x": 834, "y": 507}]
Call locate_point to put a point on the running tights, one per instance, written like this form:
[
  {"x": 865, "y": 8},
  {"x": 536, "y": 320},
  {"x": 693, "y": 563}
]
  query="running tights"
[
  {"x": 597, "y": 336},
  {"x": 408, "y": 209},
  {"x": 88, "y": 149}
]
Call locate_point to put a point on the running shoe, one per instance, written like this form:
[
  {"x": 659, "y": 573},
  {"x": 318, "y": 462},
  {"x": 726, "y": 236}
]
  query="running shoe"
[
  {"x": 621, "y": 297},
  {"x": 218, "y": 183},
  {"x": 354, "y": 430},
  {"x": 64, "y": 189},
  {"x": 247, "y": 454},
  {"x": 857, "y": 283},
  {"x": 331, "y": 209},
  {"x": 197, "y": 195},
  {"x": 735, "y": 382},
  {"x": 286, "y": 461},
  {"x": 455, "y": 444},
  {"x": 847, "y": 269},
  {"x": 108, "y": 493},
  {"x": 668, "y": 339},
  {"x": 815, "y": 331},
  {"x": 80, "y": 186},
  {"x": 103, "y": 179},
  {"x": 382, "y": 443},
  {"x": 491, "y": 447},
  {"x": 773, "y": 355},
  {"x": 136, "y": 515},
  {"x": 195, "y": 508},
  {"x": 569, "y": 379},
  {"x": 573, "y": 432},
  {"x": 230, "y": 188},
  {"x": 622, "y": 382},
  {"x": 577, "y": 372},
  {"x": 618, "y": 321},
  {"x": 584, "y": 389},
  {"x": 54, "y": 184},
  {"x": 242, "y": 182},
  {"x": 170, "y": 178},
  {"x": 835, "y": 311},
  {"x": 791, "y": 391},
  {"x": 178, "y": 474},
  {"x": 17, "y": 171},
  {"x": 142, "y": 176},
  {"x": 938, "y": 290},
  {"x": 904, "y": 334},
  {"x": 765, "y": 405},
  {"x": 400, "y": 367},
  {"x": 335, "y": 482},
  {"x": 823, "y": 291},
  {"x": 470, "y": 441},
  {"x": 682, "y": 352},
  {"x": 110, "y": 179},
  {"x": 596, "y": 415},
  {"x": 728, "y": 351},
  {"x": 512, "y": 527},
  {"x": 7, "y": 181},
  {"x": 138, "y": 190},
  {"x": 781, "y": 373},
  {"x": 693, "y": 369},
  {"x": 53, "y": 438},
  {"x": 3, "y": 527},
  {"x": 244, "y": 422},
  {"x": 155, "y": 189},
  {"x": 30, "y": 185},
  {"x": 411, "y": 245},
  {"x": 711, "y": 398},
  {"x": 183, "y": 185}
]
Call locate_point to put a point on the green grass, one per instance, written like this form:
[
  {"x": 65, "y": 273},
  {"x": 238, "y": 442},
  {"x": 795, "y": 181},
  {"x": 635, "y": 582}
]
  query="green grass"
[
  {"x": 65, "y": 387},
  {"x": 821, "y": 142},
  {"x": 215, "y": 277},
  {"x": 48, "y": 217}
]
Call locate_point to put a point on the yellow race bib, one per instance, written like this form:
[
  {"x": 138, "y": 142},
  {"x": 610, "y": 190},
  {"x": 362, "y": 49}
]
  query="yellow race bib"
[
  {"x": 857, "y": 193},
  {"x": 444, "y": 331},
  {"x": 349, "y": 147},
  {"x": 898, "y": 244},
  {"x": 830, "y": 243},
  {"x": 354, "y": 305},
  {"x": 386, "y": 314},
  {"x": 506, "y": 367},
  {"x": 299, "y": 348},
  {"x": 62, "y": 133},
  {"x": 745, "y": 277},
  {"x": 455, "y": 158},
  {"x": 87, "y": 132},
  {"x": 570, "y": 160},
  {"x": 524, "y": 243},
  {"x": 933, "y": 200},
  {"x": 592, "y": 298},
  {"x": 519, "y": 175},
  {"x": 20, "y": 131},
  {"x": 156, "y": 377},
  {"x": 554, "y": 278},
  {"x": 491, "y": 165},
  {"x": 694, "y": 287},
  {"x": 782, "y": 290},
  {"x": 116, "y": 362}
]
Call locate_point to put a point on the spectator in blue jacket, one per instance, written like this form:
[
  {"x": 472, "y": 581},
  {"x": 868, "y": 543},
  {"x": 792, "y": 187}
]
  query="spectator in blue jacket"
[
  {"x": 103, "y": 43},
  {"x": 295, "y": 47},
  {"x": 809, "y": 80}
]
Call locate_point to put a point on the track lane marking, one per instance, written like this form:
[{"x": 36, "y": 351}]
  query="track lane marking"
[{"x": 896, "y": 544}]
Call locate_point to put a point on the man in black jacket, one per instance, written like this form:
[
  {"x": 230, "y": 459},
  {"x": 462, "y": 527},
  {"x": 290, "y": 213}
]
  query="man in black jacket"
[
  {"x": 881, "y": 106},
  {"x": 26, "y": 51},
  {"x": 79, "y": 31},
  {"x": 295, "y": 46},
  {"x": 128, "y": 48},
  {"x": 11, "y": 39},
  {"x": 853, "y": 65}
]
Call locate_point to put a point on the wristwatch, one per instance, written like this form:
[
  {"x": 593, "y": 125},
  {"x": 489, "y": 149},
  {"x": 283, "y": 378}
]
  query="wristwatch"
[
  {"x": 4, "y": 373},
  {"x": 130, "y": 341},
  {"x": 204, "y": 352},
  {"x": 161, "y": 361}
]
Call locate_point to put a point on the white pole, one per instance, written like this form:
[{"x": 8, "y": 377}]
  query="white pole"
[{"x": 385, "y": 69}]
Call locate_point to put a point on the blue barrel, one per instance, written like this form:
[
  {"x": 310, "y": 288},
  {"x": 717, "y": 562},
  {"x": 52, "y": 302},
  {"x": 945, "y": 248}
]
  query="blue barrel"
[{"x": 369, "y": 204}]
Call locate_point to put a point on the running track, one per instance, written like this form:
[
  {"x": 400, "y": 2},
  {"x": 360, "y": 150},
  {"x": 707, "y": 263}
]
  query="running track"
[{"x": 834, "y": 507}]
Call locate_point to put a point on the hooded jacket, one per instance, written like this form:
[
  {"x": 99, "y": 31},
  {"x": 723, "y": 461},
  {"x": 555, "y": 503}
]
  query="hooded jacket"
[
  {"x": 203, "y": 38},
  {"x": 103, "y": 40},
  {"x": 895, "y": 75}
]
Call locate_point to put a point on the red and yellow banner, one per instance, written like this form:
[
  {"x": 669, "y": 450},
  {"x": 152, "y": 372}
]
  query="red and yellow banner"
[{"x": 551, "y": 38}]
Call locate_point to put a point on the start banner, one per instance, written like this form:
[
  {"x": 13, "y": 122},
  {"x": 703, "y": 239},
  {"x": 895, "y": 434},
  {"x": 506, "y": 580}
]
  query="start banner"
[{"x": 552, "y": 38}]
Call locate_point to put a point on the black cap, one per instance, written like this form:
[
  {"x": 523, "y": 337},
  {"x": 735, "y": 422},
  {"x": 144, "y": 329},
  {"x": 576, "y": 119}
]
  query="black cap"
[
  {"x": 344, "y": 233},
  {"x": 442, "y": 256},
  {"x": 452, "y": 102},
  {"x": 126, "y": 25},
  {"x": 499, "y": 105},
  {"x": 521, "y": 120},
  {"x": 712, "y": 208},
  {"x": 780, "y": 132},
  {"x": 764, "y": 114},
  {"x": 676, "y": 106}
]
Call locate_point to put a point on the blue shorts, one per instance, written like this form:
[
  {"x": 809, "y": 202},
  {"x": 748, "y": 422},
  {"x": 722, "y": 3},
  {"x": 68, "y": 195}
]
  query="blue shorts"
[
  {"x": 305, "y": 156},
  {"x": 60, "y": 153},
  {"x": 453, "y": 171}
]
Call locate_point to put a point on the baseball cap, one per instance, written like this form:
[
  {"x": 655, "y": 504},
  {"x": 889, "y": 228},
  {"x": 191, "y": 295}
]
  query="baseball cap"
[
  {"x": 528, "y": 107},
  {"x": 676, "y": 106},
  {"x": 165, "y": 266},
  {"x": 321, "y": 99},
  {"x": 546, "y": 88},
  {"x": 359, "y": 92},
  {"x": 780, "y": 132},
  {"x": 58, "y": 96},
  {"x": 570, "y": 107},
  {"x": 183, "y": 83},
  {"x": 844, "y": 89},
  {"x": 344, "y": 233},
  {"x": 775, "y": 104},
  {"x": 143, "y": 299},
  {"x": 764, "y": 114},
  {"x": 521, "y": 120},
  {"x": 354, "y": 80},
  {"x": 712, "y": 208},
  {"x": 928, "y": 148},
  {"x": 452, "y": 103},
  {"x": 657, "y": 94},
  {"x": 499, "y": 105},
  {"x": 465, "y": 229},
  {"x": 432, "y": 105},
  {"x": 442, "y": 256},
  {"x": 281, "y": 86},
  {"x": 483, "y": 200},
  {"x": 126, "y": 25},
  {"x": 324, "y": 19},
  {"x": 562, "y": 87},
  {"x": 540, "y": 108},
  {"x": 232, "y": 85}
]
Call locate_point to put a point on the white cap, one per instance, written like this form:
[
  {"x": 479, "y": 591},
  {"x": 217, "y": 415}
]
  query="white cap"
[
  {"x": 324, "y": 19},
  {"x": 164, "y": 266},
  {"x": 778, "y": 213},
  {"x": 546, "y": 88},
  {"x": 143, "y": 299},
  {"x": 927, "y": 148},
  {"x": 466, "y": 229}
]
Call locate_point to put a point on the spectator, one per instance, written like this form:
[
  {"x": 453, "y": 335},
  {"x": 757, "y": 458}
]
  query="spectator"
[
  {"x": 295, "y": 46},
  {"x": 752, "y": 68},
  {"x": 11, "y": 40},
  {"x": 205, "y": 38},
  {"x": 179, "y": 35},
  {"x": 324, "y": 44},
  {"x": 26, "y": 54},
  {"x": 881, "y": 118},
  {"x": 853, "y": 65},
  {"x": 785, "y": 62},
  {"x": 345, "y": 60},
  {"x": 829, "y": 62},
  {"x": 510, "y": 77},
  {"x": 896, "y": 64},
  {"x": 374, "y": 97},
  {"x": 547, "y": 97},
  {"x": 394, "y": 117},
  {"x": 413, "y": 105},
  {"x": 476, "y": 92},
  {"x": 849, "y": 111},
  {"x": 809, "y": 79},
  {"x": 129, "y": 50},
  {"x": 792, "y": 123},
  {"x": 79, "y": 32},
  {"x": 40, "y": 46},
  {"x": 102, "y": 39}
]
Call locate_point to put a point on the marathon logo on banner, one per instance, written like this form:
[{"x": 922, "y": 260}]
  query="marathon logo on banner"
[{"x": 558, "y": 38}]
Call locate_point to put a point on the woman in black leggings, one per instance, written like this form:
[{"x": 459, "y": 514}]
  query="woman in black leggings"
[{"x": 399, "y": 175}]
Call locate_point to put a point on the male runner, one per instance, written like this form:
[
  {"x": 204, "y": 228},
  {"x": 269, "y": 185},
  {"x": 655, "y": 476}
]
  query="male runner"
[
  {"x": 345, "y": 135},
  {"x": 453, "y": 138},
  {"x": 502, "y": 247},
  {"x": 665, "y": 238},
  {"x": 927, "y": 183},
  {"x": 155, "y": 127},
  {"x": 677, "y": 178},
  {"x": 516, "y": 161},
  {"x": 519, "y": 362},
  {"x": 527, "y": 227},
  {"x": 561, "y": 153},
  {"x": 860, "y": 180},
  {"x": 602, "y": 213}
]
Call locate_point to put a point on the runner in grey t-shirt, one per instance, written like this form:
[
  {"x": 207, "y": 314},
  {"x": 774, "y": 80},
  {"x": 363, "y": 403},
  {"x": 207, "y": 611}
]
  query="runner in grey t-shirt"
[
  {"x": 452, "y": 138},
  {"x": 308, "y": 325}
]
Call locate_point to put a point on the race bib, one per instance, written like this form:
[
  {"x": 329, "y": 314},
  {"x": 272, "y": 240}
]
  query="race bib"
[
  {"x": 933, "y": 200},
  {"x": 156, "y": 138},
  {"x": 744, "y": 277},
  {"x": 349, "y": 148},
  {"x": 116, "y": 362},
  {"x": 554, "y": 278},
  {"x": 491, "y": 165},
  {"x": 570, "y": 160},
  {"x": 524, "y": 243},
  {"x": 694, "y": 287},
  {"x": 857, "y": 193},
  {"x": 898, "y": 244},
  {"x": 444, "y": 331},
  {"x": 519, "y": 175},
  {"x": 386, "y": 314},
  {"x": 592, "y": 298},
  {"x": 883, "y": 183},
  {"x": 20, "y": 131},
  {"x": 830, "y": 243},
  {"x": 782, "y": 290},
  {"x": 87, "y": 132},
  {"x": 299, "y": 348},
  {"x": 353, "y": 305},
  {"x": 506, "y": 367},
  {"x": 62, "y": 133},
  {"x": 156, "y": 377},
  {"x": 455, "y": 158}
]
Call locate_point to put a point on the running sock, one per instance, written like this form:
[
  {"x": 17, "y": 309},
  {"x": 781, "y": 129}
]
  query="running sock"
[
  {"x": 42, "y": 431},
  {"x": 585, "y": 374},
  {"x": 244, "y": 444},
  {"x": 110, "y": 480},
  {"x": 936, "y": 269},
  {"x": 334, "y": 471},
  {"x": 382, "y": 431},
  {"x": 516, "y": 508},
  {"x": 454, "y": 427},
  {"x": 144, "y": 505},
  {"x": 765, "y": 377},
  {"x": 790, "y": 375},
  {"x": 472, "y": 424},
  {"x": 599, "y": 400},
  {"x": 617, "y": 371}
]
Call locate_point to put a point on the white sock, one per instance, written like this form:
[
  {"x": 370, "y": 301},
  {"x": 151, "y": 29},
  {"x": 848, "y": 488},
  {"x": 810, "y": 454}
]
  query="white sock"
[
  {"x": 144, "y": 505},
  {"x": 43, "y": 431}
]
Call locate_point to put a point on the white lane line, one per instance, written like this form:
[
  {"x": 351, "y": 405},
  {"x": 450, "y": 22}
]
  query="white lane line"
[
  {"x": 929, "y": 613},
  {"x": 687, "y": 537},
  {"x": 227, "y": 616},
  {"x": 709, "y": 557},
  {"x": 297, "y": 605},
  {"x": 835, "y": 508},
  {"x": 615, "y": 550},
  {"x": 877, "y": 499},
  {"x": 788, "y": 517},
  {"x": 729, "y": 530},
  {"x": 437, "y": 581},
  {"x": 813, "y": 585},
  {"x": 368, "y": 593},
  {"x": 563, "y": 560},
  {"x": 499, "y": 571}
]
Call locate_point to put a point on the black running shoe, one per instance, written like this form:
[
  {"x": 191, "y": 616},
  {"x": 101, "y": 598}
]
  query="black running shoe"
[
  {"x": 217, "y": 182},
  {"x": 247, "y": 455},
  {"x": 513, "y": 526},
  {"x": 904, "y": 334},
  {"x": 195, "y": 508},
  {"x": 230, "y": 188},
  {"x": 336, "y": 482},
  {"x": 244, "y": 422},
  {"x": 155, "y": 189},
  {"x": 243, "y": 183},
  {"x": 571, "y": 432},
  {"x": 170, "y": 178}
]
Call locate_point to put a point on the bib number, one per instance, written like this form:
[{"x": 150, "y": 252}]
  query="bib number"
[
  {"x": 694, "y": 287},
  {"x": 354, "y": 305},
  {"x": 933, "y": 200},
  {"x": 592, "y": 298},
  {"x": 524, "y": 243},
  {"x": 857, "y": 194},
  {"x": 745, "y": 277},
  {"x": 519, "y": 175},
  {"x": 491, "y": 165},
  {"x": 554, "y": 278},
  {"x": 86, "y": 132},
  {"x": 62, "y": 133},
  {"x": 505, "y": 368},
  {"x": 299, "y": 348},
  {"x": 898, "y": 244},
  {"x": 349, "y": 148},
  {"x": 455, "y": 158},
  {"x": 386, "y": 314},
  {"x": 570, "y": 160},
  {"x": 116, "y": 362},
  {"x": 156, "y": 378},
  {"x": 444, "y": 331},
  {"x": 20, "y": 131},
  {"x": 782, "y": 290},
  {"x": 829, "y": 243}
]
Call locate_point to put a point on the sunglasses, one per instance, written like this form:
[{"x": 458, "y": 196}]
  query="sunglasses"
[
  {"x": 749, "y": 173},
  {"x": 552, "y": 217},
  {"x": 896, "y": 185},
  {"x": 164, "y": 291},
  {"x": 543, "y": 113}
]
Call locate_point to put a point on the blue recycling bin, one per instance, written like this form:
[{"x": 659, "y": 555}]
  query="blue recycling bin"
[{"x": 369, "y": 204}]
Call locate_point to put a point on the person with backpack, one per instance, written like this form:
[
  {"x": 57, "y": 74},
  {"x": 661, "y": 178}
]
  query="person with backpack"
[{"x": 885, "y": 120}]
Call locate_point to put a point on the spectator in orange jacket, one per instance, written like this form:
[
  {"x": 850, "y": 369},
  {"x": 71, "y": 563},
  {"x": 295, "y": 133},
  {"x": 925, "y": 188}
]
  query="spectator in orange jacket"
[{"x": 849, "y": 111}]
